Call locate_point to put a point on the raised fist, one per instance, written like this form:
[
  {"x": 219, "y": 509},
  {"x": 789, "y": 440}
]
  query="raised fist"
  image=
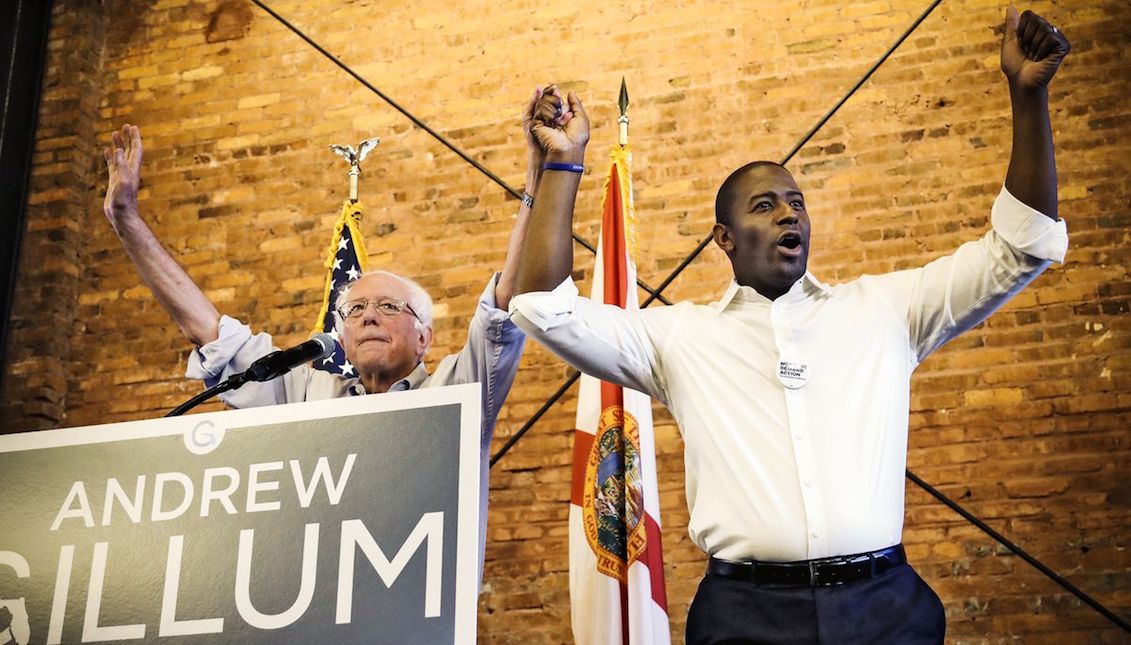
[
  {"x": 1031, "y": 50},
  {"x": 560, "y": 127}
]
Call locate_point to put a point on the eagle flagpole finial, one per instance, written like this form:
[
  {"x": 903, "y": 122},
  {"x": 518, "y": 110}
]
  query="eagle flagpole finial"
[{"x": 355, "y": 157}]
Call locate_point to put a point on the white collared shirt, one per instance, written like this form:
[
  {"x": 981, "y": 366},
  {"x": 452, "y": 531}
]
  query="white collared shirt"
[{"x": 811, "y": 464}]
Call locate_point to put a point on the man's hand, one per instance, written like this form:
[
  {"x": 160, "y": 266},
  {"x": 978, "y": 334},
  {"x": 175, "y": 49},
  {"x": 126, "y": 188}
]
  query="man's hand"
[
  {"x": 561, "y": 127},
  {"x": 1031, "y": 50},
  {"x": 123, "y": 163},
  {"x": 535, "y": 155},
  {"x": 532, "y": 146}
]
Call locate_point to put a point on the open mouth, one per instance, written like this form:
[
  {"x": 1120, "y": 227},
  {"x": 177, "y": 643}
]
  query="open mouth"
[{"x": 790, "y": 242}]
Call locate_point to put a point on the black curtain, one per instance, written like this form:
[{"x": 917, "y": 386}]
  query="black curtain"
[{"x": 23, "y": 50}]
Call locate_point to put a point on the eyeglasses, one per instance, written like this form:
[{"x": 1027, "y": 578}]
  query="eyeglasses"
[{"x": 384, "y": 306}]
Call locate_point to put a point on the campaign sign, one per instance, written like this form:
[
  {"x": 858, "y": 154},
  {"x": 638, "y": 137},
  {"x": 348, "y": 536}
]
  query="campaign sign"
[{"x": 353, "y": 520}]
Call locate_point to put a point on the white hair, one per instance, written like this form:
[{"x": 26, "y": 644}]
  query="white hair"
[{"x": 418, "y": 299}]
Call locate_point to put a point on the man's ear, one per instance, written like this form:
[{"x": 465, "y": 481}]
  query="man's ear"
[
  {"x": 723, "y": 238},
  {"x": 424, "y": 342}
]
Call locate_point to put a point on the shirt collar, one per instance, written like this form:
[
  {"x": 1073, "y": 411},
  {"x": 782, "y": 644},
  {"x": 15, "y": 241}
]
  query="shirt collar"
[
  {"x": 410, "y": 382},
  {"x": 806, "y": 285},
  {"x": 413, "y": 380}
]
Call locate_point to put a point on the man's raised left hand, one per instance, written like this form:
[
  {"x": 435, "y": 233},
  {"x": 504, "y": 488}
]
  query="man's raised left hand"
[{"x": 1031, "y": 50}]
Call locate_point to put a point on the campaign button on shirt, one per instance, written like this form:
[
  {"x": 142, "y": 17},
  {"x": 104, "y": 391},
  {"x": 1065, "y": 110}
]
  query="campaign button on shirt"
[{"x": 793, "y": 373}]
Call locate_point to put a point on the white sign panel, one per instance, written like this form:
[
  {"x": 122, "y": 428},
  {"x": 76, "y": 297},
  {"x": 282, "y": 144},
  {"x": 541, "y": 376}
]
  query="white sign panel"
[{"x": 353, "y": 520}]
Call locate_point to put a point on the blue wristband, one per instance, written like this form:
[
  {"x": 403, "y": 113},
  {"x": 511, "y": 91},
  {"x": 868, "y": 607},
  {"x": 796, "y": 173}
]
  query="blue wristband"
[{"x": 571, "y": 167}]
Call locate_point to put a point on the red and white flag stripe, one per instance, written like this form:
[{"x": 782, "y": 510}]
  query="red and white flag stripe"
[{"x": 616, "y": 563}]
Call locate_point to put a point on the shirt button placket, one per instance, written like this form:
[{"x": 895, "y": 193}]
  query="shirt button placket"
[{"x": 798, "y": 427}]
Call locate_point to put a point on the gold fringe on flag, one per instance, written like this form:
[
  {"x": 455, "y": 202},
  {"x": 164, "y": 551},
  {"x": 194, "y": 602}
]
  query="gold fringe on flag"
[
  {"x": 621, "y": 157},
  {"x": 350, "y": 219}
]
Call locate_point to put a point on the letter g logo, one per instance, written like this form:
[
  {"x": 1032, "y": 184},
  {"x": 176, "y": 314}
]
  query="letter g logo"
[{"x": 203, "y": 438}]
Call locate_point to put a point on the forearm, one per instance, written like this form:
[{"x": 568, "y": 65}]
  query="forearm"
[
  {"x": 193, "y": 312},
  {"x": 1031, "y": 177},
  {"x": 508, "y": 277},
  {"x": 547, "y": 250}
]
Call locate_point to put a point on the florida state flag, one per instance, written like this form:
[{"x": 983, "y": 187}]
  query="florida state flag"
[{"x": 616, "y": 567}]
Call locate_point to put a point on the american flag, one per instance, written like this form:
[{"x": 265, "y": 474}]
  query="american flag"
[{"x": 346, "y": 260}]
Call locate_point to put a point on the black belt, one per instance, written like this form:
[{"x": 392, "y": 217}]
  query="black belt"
[{"x": 822, "y": 572}]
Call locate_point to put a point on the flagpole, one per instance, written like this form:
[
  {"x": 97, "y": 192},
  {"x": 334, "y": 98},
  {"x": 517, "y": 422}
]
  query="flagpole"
[
  {"x": 346, "y": 258},
  {"x": 617, "y": 593},
  {"x": 623, "y": 120},
  {"x": 354, "y": 157}
]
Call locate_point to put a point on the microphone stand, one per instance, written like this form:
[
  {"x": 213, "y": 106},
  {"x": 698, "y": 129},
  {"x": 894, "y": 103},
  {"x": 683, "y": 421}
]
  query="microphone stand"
[
  {"x": 229, "y": 384},
  {"x": 268, "y": 367}
]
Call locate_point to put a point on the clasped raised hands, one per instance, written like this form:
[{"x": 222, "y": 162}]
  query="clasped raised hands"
[{"x": 560, "y": 125}]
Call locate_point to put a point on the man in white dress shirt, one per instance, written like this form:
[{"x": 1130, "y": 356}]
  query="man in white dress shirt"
[{"x": 792, "y": 396}]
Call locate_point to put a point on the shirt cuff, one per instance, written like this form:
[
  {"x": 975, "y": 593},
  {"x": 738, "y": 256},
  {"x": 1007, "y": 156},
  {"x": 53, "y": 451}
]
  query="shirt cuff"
[
  {"x": 495, "y": 321},
  {"x": 208, "y": 362},
  {"x": 541, "y": 308},
  {"x": 1028, "y": 230}
]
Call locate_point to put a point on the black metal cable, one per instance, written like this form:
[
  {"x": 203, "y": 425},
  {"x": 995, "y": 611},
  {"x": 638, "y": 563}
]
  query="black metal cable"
[
  {"x": 537, "y": 415},
  {"x": 1037, "y": 564},
  {"x": 435, "y": 135},
  {"x": 872, "y": 70},
  {"x": 679, "y": 269},
  {"x": 219, "y": 388},
  {"x": 809, "y": 135}
]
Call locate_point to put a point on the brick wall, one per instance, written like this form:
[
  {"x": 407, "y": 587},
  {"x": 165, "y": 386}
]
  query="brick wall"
[
  {"x": 60, "y": 195},
  {"x": 1023, "y": 420}
]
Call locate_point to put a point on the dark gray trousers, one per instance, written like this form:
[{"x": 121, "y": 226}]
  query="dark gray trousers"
[{"x": 895, "y": 607}]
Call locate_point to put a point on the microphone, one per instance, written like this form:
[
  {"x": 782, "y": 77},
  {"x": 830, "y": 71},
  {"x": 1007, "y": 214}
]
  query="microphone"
[
  {"x": 280, "y": 362},
  {"x": 271, "y": 366}
]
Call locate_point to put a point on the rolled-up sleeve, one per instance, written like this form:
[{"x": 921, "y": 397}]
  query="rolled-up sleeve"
[
  {"x": 498, "y": 343},
  {"x": 218, "y": 360},
  {"x": 1028, "y": 230},
  {"x": 233, "y": 351},
  {"x": 958, "y": 291},
  {"x": 543, "y": 310}
]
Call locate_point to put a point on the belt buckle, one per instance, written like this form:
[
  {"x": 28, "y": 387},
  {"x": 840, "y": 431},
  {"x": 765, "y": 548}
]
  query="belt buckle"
[{"x": 832, "y": 568}]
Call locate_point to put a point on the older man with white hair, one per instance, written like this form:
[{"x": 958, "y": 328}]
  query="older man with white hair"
[
  {"x": 384, "y": 323},
  {"x": 384, "y": 319}
]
